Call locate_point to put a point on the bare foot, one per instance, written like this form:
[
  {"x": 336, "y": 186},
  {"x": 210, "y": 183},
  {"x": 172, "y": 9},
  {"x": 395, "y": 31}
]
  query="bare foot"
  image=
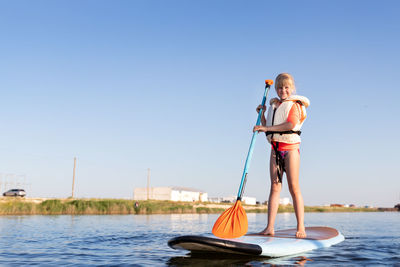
[
  {"x": 267, "y": 231},
  {"x": 301, "y": 233}
]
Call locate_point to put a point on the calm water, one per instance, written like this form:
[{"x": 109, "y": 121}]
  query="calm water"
[{"x": 371, "y": 239}]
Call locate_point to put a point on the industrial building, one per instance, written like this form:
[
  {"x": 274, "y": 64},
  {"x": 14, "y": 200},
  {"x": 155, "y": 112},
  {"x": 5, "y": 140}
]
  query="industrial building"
[
  {"x": 232, "y": 199},
  {"x": 170, "y": 193}
]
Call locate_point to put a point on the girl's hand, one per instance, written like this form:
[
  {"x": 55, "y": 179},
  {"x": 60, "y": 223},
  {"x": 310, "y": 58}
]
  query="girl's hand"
[
  {"x": 260, "y": 128},
  {"x": 259, "y": 107}
]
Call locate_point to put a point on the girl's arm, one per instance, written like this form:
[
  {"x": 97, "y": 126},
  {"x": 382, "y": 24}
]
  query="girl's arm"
[{"x": 263, "y": 120}]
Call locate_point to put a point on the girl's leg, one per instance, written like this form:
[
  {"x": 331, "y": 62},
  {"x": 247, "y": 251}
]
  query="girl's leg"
[
  {"x": 273, "y": 200},
  {"x": 292, "y": 165}
]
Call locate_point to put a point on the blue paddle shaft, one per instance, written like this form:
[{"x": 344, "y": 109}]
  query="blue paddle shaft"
[{"x": 253, "y": 141}]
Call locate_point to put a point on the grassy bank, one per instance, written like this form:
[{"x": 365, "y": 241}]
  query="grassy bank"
[
  {"x": 91, "y": 206},
  {"x": 15, "y": 206}
]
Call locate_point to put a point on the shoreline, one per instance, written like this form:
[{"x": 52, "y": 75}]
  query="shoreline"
[{"x": 58, "y": 206}]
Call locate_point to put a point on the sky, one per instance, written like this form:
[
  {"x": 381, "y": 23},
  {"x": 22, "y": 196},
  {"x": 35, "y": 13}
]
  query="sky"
[{"x": 124, "y": 86}]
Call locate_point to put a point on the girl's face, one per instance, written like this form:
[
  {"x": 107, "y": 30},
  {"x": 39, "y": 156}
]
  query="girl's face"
[{"x": 284, "y": 91}]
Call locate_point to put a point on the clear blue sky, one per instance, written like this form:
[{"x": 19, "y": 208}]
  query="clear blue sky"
[{"x": 173, "y": 86}]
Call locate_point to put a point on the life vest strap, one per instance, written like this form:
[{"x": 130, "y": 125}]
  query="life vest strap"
[
  {"x": 284, "y": 132},
  {"x": 279, "y": 161}
]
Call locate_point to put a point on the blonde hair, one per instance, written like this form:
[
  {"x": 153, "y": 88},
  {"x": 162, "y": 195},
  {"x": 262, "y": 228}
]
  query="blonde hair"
[{"x": 284, "y": 79}]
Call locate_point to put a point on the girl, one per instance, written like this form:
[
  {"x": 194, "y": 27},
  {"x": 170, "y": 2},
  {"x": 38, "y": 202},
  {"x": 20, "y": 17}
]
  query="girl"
[{"x": 282, "y": 127}]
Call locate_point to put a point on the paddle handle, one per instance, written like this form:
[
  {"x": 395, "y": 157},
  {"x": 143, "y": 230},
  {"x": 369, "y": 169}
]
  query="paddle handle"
[{"x": 253, "y": 141}]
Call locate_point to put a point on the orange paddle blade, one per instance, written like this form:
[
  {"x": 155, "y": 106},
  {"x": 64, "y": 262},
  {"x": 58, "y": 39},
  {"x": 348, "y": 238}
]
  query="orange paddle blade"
[{"x": 232, "y": 223}]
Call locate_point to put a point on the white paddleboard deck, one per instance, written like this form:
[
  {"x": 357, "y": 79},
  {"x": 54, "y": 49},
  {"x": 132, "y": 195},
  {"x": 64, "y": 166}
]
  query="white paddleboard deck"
[{"x": 283, "y": 243}]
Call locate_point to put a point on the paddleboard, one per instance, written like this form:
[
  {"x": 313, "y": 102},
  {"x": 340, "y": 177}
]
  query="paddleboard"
[{"x": 283, "y": 243}]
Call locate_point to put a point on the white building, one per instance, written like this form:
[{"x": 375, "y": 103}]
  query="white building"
[
  {"x": 170, "y": 193},
  {"x": 284, "y": 201},
  {"x": 245, "y": 200},
  {"x": 249, "y": 200},
  {"x": 215, "y": 199}
]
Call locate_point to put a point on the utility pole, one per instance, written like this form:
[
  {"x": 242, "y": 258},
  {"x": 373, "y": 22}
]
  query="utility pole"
[
  {"x": 148, "y": 183},
  {"x": 73, "y": 178}
]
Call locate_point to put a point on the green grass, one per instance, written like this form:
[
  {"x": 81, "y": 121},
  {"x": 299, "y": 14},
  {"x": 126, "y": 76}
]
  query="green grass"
[
  {"x": 52, "y": 206},
  {"x": 17, "y": 206},
  {"x": 68, "y": 206}
]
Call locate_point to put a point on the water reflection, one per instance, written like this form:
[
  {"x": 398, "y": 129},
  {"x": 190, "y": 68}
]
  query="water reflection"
[
  {"x": 214, "y": 259},
  {"x": 302, "y": 260}
]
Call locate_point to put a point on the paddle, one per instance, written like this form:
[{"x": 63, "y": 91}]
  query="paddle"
[{"x": 233, "y": 222}]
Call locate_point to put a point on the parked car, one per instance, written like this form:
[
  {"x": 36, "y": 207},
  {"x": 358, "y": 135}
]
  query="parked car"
[{"x": 15, "y": 193}]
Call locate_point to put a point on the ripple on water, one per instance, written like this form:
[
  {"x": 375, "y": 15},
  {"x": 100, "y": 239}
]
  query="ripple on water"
[{"x": 142, "y": 240}]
